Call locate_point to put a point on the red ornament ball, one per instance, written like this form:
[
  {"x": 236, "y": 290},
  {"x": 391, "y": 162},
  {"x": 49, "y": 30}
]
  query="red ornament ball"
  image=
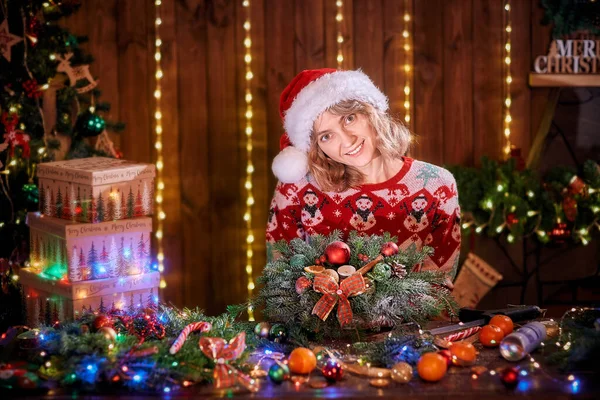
[
  {"x": 302, "y": 284},
  {"x": 389, "y": 249},
  {"x": 509, "y": 377},
  {"x": 333, "y": 371},
  {"x": 101, "y": 321},
  {"x": 338, "y": 253}
]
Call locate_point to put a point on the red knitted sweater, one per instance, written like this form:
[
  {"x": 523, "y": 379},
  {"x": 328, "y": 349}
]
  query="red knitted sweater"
[{"x": 419, "y": 205}]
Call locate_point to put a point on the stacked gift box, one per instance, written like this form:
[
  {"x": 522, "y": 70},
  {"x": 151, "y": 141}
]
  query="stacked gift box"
[{"x": 90, "y": 244}]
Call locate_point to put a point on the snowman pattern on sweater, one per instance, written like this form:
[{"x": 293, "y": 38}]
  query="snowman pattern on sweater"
[
  {"x": 363, "y": 217},
  {"x": 419, "y": 205}
]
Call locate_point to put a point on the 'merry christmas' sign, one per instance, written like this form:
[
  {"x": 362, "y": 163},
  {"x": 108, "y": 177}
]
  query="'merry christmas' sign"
[{"x": 570, "y": 57}]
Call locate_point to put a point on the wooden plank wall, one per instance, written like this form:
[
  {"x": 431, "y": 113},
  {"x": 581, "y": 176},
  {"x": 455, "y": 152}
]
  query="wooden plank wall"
[{"x": 456, "y": 107}]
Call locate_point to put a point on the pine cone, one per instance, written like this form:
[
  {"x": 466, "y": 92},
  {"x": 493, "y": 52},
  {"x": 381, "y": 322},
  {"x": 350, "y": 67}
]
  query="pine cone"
[{"x": 399, "y": 270}]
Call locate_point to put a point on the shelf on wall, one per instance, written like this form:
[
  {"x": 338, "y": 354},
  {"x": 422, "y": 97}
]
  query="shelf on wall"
[{"x": 564, "y": 80}]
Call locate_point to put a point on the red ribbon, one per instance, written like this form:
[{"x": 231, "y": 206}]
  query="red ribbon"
[
  {"x": 13, "y": 136},
  {"x": 222, "y": 353},
  {"x": 337, "y": 294}
]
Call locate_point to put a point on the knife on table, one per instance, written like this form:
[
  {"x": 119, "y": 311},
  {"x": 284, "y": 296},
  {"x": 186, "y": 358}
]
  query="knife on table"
[{"x": 471, "y": 317}]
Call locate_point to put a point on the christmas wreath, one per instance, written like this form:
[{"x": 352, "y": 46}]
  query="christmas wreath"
[{"x": 324, "y": 284}]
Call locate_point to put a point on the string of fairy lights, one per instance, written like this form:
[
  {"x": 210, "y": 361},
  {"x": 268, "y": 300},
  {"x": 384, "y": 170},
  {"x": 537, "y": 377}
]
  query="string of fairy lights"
[
  {"x": 249, "y": 165},
  {"x": 158, "y": 145},
  {"x": 508, "y": 77},
  {"x": 407, "y": 62},
  {"x": 339, "y": 17}
]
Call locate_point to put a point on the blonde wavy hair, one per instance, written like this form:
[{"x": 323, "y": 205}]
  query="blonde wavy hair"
[{"x": 393, "y": 141}]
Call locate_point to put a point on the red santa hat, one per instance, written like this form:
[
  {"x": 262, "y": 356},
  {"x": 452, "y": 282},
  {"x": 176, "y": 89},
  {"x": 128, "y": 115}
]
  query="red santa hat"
[{"x": 308, "y": 95}]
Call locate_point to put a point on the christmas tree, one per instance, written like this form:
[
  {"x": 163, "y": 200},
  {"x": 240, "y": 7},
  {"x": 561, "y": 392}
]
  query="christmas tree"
[
  {"x": 117, "y": 210},
  {"x": 103, "y": 261},
  {"x": 49, "y": 106},
  {"x": 66, "y": 211},
  {"x": 100, "y": 208},
  {"x": 93, "y": 263},
  {"x": 130, "y": 204},
  {"x": 83, "y": 269},
  {"x": 113, "y": 259},
  {"x": 73, "y": 275},
  {"x": 142, "y": 255},
  {"x": 122, "y": 268},
  {"x": 59, "y": 203},
  {"x": 110, "y": 206},
  {"x": 139, "y": 209}
]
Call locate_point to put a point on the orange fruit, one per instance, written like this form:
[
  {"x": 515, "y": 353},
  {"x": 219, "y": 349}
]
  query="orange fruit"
[
  {"x": 463, "y": 353},
  {"x": 491, "y": 335},
  {"x": 302, "y": 361},
  {"x": 503, "y": 322},
  {"x": 432, "y": 367}
]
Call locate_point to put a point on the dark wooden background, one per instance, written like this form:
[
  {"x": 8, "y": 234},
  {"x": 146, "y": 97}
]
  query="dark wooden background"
[{"x": 457, "y": 101}]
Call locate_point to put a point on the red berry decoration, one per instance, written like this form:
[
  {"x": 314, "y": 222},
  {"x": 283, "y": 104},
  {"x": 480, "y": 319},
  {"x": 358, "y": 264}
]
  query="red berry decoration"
[
  {"x": 302, "y": 284},
  {"x": 512, "y": 219},
  {"x": 389, "y": 249},
  {"x": 333, "y": 371},
  {"x": 510, "y": 377},
  {"x": 31, "y": 88},
  {"x": 323, "y": 259},
  {"x": 338, "y": 253}
]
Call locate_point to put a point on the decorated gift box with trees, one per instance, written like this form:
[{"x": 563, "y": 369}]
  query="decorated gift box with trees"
[
  {"x": 62, "y": 250},
  {"x": 47, "y": 301},
  {"x": 96, "y": 189}
]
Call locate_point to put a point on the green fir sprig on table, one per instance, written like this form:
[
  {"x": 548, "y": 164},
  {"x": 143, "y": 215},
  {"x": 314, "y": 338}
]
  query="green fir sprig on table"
[{"x": 77, "y": 358}]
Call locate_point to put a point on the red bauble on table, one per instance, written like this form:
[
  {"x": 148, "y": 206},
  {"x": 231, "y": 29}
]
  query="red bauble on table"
[
  {"x": 338, "y": 253},
  {"x": 510, "y": 377},
  {"x": 389, "y": 249},
  {"x": 333, "y": 371}
]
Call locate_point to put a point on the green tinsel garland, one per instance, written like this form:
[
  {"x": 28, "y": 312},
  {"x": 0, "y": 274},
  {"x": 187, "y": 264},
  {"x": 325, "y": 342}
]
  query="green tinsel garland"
[
  {"x": 497, "y": 199},
  {"x": 418, "y": 296}
]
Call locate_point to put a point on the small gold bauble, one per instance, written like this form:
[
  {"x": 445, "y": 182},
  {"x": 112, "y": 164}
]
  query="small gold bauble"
[{"x": 402, "y": 372}]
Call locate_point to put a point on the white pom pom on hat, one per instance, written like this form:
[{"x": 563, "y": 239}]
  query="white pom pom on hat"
[{"x": 309, "y": 94}]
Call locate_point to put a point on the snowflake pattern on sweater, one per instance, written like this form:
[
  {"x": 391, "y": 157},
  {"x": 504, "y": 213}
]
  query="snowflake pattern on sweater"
[{"x": 419, "y": 205}]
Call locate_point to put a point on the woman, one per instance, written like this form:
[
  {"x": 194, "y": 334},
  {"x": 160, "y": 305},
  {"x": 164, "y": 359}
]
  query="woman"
[{"x": 342, "y": 166}]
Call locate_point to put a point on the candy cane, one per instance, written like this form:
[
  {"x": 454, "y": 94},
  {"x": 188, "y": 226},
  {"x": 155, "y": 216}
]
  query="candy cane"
[
  {"x": 196, "y": 326},
  {"x": 462, "y": 334}
]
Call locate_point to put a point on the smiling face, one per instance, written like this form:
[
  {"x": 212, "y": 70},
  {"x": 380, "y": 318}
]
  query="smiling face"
[
  {"x": 348, "y": 139},
  {"x": 419, "y": 203},
  {"x": 364, "y": 203},
  {"x": 310, "y": 198}
]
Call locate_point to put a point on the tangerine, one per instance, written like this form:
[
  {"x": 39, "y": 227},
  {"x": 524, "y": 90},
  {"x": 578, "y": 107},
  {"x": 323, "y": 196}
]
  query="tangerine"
[
  {"x": 491, "y": 335},
  {"x": 432, "y": 367},
  {"x": 463, "y": 353},
  {"x": 302, "y": 361},
  {"x": 503, "y": 322}
]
